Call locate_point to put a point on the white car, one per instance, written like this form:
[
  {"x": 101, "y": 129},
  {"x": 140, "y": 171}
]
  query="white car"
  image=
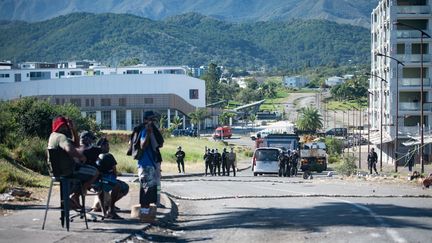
[{"x": 265, "y": 161}]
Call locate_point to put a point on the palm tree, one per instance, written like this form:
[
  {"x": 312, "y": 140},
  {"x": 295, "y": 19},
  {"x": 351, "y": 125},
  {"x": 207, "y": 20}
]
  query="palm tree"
[
  {"x": 309, "y": 119},
  {"x": 162, "y": 121},
  {"x": 197, "y": 116},
  {"x": 176, "y": 122}
]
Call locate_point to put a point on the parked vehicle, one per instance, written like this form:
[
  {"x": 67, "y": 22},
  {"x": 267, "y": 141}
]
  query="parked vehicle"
[
  {"x": 224, "y": 132},
  {"x": 313, "y": 157},
  {"x": 283, "y": 141},
  {"x": 339, "y": 131},
  {"x": 265, "y": 161}
]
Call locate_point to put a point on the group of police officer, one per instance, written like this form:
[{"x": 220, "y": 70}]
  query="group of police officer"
[
  {"x": 288, "y": 163},
  {"x": 215, "y": 160}
]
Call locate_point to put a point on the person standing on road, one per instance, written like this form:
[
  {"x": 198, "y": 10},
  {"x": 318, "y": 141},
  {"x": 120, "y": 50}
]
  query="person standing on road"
[
  {"x": 294, "y": 162},
  {"x": 231, "y": 161},
  {"x": 224, "y": 162},
  {"x": 208, "y": 159},
  {"x": 217, "y": 162},
  {"x": 147, "y": 163},
  {"x": 258, "y": 141},
  {"x": 372, "y": 160},
  {"x": 180, "y": 155},
  {"x": 283, "y": 160}
]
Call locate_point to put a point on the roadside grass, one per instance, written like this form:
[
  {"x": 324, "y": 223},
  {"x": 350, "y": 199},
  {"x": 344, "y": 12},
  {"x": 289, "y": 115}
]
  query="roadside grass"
[
  {"x": 14, "y": 175},
  {"x": 193, "y": 147},
  {"x": 346, "y": 104}
]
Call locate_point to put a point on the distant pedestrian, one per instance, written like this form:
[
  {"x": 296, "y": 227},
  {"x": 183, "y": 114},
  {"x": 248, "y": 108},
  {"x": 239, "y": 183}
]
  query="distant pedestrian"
[
  {"x": 224, "y": 162},
  {"x": 294, "y": 162},
  {"x": 283, "y": 161},
  {"x": 372, "y": 161},
  {"x": 208, "y": 159},
  {"x": 410, "y": 162},
  {"x": 180, "y": 155},
  {"x": 217, "y": 157},
  {"x": 258, "y": 141},
  {"x": 231, "y": 162}
]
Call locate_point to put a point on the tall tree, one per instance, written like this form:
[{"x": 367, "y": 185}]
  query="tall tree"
[{"x": 212, "y": 83}]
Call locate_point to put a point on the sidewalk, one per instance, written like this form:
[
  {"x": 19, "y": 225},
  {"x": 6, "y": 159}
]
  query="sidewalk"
[{"x": 25, "y": 223}]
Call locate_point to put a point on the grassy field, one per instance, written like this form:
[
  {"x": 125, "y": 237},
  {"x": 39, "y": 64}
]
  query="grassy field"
[
  {"x": 12, "y": 175},
  {"x": 346, "y": 105},
  {"x": 193, "y": 147}
]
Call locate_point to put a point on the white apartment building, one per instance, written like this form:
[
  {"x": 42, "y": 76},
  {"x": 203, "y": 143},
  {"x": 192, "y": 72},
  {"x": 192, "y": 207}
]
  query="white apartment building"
[
  {"x": 395, "y": 32},
  {"x": 295, "y": 81},
  {"x": 115, "y": 97}
]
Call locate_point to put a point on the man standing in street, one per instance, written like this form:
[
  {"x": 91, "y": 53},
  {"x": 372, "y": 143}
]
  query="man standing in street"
[
  {"x": 208, "y": 159},
  {"x": 180, "y": 155},
  {"x": 224, "y": 162},
  {"x": 216, "y": 162},
  {"x": 372, "y": 160},
  {"x": 231, "y": 161}
]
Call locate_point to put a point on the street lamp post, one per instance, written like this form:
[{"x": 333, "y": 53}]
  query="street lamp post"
[
  {"x": 397, "y": 107},
  {"x": 381, "y": 115},
  {"x": 423, "y": 33},
  {"x": 369, "y": 123}
]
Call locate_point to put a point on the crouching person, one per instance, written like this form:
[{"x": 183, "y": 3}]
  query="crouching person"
[{"x": 107, "y": 167}]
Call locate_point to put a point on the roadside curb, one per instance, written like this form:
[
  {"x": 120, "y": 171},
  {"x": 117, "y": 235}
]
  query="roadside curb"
[{"x": 194, "y": 174}]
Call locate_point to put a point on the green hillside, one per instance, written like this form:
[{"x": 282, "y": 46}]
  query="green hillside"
[{"x": 189, "y": 39}]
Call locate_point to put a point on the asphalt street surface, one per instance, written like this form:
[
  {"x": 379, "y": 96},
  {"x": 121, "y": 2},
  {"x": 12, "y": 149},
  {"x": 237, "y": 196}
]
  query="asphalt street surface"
[{"x": 269, "y": 208}]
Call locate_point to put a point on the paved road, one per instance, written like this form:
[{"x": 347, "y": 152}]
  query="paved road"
[{"x": 258, "y": 209}]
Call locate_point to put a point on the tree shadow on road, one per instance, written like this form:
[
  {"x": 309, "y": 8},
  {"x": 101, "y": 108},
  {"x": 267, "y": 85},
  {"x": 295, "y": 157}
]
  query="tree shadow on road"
[{"x": 314, "y": 219}]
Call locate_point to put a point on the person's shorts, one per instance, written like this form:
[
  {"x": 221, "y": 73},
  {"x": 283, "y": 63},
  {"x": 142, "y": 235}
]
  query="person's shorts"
[
  {"x": 108, "y": 182},
  {"x": 84, "y": 172},
  {"x": 147, "y": 176}
]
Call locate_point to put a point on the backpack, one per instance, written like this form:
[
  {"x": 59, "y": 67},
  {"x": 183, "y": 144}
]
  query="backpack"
[{"x": 134, "y": 149}]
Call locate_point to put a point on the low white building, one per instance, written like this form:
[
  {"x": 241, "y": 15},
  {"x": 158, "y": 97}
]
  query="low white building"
[
  {"x": 116, "y": 101},
  {"x": 335, "y": 80}
]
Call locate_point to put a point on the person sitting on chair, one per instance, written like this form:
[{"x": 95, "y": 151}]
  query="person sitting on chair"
[
  {"x": 107, "y": 166},
  {"x": 65, "y": 137}
]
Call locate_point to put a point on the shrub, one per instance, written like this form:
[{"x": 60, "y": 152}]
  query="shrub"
[
  {"x": 333, "y": 159},
  {"x": 31, "y": 153},
  {"x": 348, "y": 166},
  {"x": 334, "y": 146}
]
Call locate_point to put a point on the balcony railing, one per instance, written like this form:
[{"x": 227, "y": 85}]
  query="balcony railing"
[
  {"x": 413, "y": 82},
  {"x": 408, "y": 34},
  {"x": 413, "y": 57},
  {"x": 409, "y": 106},
  {"x": 413, "y": 9}
]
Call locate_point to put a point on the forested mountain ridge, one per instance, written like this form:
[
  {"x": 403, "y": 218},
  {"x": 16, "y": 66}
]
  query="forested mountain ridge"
[
  {"x": 190, "y": 39},
  {"x": 341, "y": 11}
]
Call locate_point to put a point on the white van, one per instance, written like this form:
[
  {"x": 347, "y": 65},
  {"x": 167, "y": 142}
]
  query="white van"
[{"x": 265, "y": 161}]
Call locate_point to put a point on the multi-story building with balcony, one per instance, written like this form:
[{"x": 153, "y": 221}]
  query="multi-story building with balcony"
[
  {"x": 115, "y": 97},
  {"x": 396, "y": 31}
]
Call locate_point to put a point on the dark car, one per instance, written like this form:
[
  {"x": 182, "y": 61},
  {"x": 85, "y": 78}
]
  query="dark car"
[{"x": 339, "y": 132}]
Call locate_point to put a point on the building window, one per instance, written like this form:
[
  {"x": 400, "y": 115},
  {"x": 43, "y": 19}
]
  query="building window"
[
  {"x": 89, "y": 102},
  {"x": 400, "y": 48},
  {"x": 40, "y": 75},
  {"x": 91, "y": 115},
  {"x": 105, "y": 102},
  {"x": 4, "y": 75},
  {"x": 75, "y": 73},
  {"x": 121, "y": 120},
  {"x": 122, "y": 101},
  {"x": 415, "y": 49},
  {"x": 76, "y": 102},
  {"x": 132, "y": 71},
  {"x": 106, "y": 120},
  {"x": 193, "y": 94},
  {"x": 148, "y": 100},
  {"x": 136, "y": 117}
]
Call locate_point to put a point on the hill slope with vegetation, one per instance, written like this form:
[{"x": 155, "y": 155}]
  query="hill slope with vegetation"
[{"x": 189, "y": 39}]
